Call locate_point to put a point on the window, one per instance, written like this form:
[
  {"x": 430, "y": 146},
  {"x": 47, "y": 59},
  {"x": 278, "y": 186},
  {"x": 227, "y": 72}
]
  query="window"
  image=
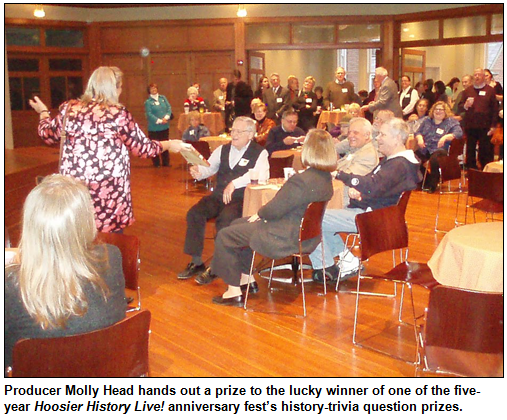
[
  {"x": 21, "y": 90},
  {"x": 268, "y": 34},
  {"x": 359, "y": 33},
  {"x": 415, "y": 31},
  {"x": 469, "y": 26},
  {"x": 64, "y": 88},
  {"x": 67, "y": 38},
  {"x": 26, "y": 37},
  {"x": 316, "y": 34}
]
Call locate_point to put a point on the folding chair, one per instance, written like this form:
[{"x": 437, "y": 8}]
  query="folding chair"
[
  {"x": 120, "y": 350},
  {"x": 129, "y": 246},
  {"x": 462, "y": 334},
  {"x": 309, "y": 228}
]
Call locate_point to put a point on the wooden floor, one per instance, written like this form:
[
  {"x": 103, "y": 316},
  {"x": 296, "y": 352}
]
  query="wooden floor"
[{"x": 193, "y": 337}]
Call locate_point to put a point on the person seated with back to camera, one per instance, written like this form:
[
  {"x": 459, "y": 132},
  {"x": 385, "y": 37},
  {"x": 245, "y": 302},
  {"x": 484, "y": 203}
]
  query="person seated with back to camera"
[
  {"x": 382, "y": 187},
  {"x": 434, "y": 137},
  {"x": 195, "y": 129},
  {"x": 63, "y": 282},
  {"x": 285, "y": 136},
  {"x": 274, "y": 230},
  {"x": 231, "y": 163}
]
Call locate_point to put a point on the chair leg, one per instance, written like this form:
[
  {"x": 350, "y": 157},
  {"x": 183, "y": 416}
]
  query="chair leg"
[
  {"x": 354, "y": 341},
  {"x": 271, "y": 274},
  {"x": 249, "y": 280},
  {"x": 303, "y": 283},
  {"x": 324, "y": 270},
  {"x": 438, "y": 210}
]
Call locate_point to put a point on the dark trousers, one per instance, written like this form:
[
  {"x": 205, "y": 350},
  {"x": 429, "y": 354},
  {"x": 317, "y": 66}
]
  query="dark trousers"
[
  {"x": 160, "y": 136},
  {"x": 486, "y": 149},
  {"x": 207, "y": 208},
  {"x": 233, "y": 254},
  {"x": 433, "y": 175}
]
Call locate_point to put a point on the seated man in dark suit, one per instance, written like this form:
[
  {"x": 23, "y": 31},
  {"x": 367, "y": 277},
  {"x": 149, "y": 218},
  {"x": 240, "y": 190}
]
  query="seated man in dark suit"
[
  {"x": 285, "y": 136},
  {"x": 382, "y": 187},
  {"x": 231, "y": 163},
  {"x": 276, "y": 98}
]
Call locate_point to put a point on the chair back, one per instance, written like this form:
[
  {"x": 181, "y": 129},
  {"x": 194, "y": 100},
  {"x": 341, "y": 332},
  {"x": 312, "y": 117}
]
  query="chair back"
[
  {"x": 487, "y": 185},
  {"x": 465, "y": 320},
  {"x": 382, "y": 230},
  {"x": 457, "y": 146},
  {"x": 311, "y": 223},
  {"x": 120, "y": 350},
  {"x": 449, "y": 168},
  {"x": 129, "y": 247},
  {"x": 276, "y": 165},
  {"x": 403, "y": 201},
  {"x": 203, "y": 148}
]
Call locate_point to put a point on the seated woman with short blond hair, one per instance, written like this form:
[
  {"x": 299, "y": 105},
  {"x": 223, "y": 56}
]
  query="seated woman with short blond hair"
[
  {"x": 64, "y": 283},
  {"x": 196, "y": 129}
]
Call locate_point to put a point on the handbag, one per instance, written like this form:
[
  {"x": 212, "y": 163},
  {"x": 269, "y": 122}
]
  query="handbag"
[
  {"x": 497, "y": 137},
  {"x": 63, "y": 139}
]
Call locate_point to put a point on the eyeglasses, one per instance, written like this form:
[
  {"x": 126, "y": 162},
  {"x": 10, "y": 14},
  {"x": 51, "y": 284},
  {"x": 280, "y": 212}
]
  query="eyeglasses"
[
  {"x": 235, "y": 131},
  {"x": 440, "y": 109}
]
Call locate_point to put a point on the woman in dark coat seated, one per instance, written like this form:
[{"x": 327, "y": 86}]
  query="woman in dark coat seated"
[{"x": 274, "y": 230}]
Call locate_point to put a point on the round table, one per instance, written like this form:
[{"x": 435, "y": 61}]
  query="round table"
[
  {"x": 330, "y": 116},
  {"x": 471, "y": 257},
  {"x": 212, "y": 120},
  {"x": 258, "y": 195},
  {"x": 215, "y": 141}
]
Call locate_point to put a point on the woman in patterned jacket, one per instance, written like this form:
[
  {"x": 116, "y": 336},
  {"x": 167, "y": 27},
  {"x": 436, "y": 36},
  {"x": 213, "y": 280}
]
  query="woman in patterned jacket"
[{"x": 100, "y": 133}]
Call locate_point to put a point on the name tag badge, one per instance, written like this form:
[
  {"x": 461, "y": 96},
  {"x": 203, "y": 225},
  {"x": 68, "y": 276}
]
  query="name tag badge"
[
  {"x": 279, "y": 100},
  {"x": 243, "y": 162},
  {"x": 191, "y": 132},
  {"x": 482, "y": 93},
  {"x": 344, "y": 90},
  {"x": 308, "y": 100},
  {"x": 440, "y": 131},
  {"x": 221, "y": 98},
  {"x": 350, "y": 157},
  {"x": 407, "y": 95},
  {"x": 156, "y": 103}
]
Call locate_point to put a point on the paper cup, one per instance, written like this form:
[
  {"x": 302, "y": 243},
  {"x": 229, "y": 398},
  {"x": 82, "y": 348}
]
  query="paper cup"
[
  {"x": 254, "y": 176},
  {"x": 288, "y": 172}
]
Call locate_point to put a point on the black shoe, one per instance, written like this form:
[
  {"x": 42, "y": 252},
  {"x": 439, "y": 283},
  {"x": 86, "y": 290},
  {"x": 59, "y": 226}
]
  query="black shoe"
[
  {"x": 205, "y": 278},
  {"x": 191, "y": 271},
  {"x": 254, "y": 287},
  {"x": 331, "y": 275},
  {"x": 233, "y": 301}
]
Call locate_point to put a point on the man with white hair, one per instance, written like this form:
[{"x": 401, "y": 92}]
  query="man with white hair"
[
  {"x": 387, "y": 97},
  {"x": 339, "y": 92},
  {"x": 382, "y": 187},
  {"x": 359, "y": 153}
]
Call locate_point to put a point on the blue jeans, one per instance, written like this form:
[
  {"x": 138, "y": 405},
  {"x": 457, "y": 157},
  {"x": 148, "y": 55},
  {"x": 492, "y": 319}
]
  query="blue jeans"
[{"x": 342, "y": 220}]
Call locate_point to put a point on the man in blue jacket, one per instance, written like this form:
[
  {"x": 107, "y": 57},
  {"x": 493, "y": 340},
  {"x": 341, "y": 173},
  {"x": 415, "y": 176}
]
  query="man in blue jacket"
[{"x": 382, "y": 187}]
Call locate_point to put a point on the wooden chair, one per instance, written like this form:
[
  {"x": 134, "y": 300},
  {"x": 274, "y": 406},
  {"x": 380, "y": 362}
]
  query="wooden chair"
[
  {"x": 276, "y": 166},
  {"x": 489, "y": 187},
  {"x": 462, "y": 334},
  {"x": 120, "y": 350},
  {"x": 449, "y": 171},
  {"x": 309, "y": 228},
  {"x": 204, "y": 150},
  {"x": 353, "y": 239},
  {"x": 129, "y": 246},
  {"x": 384, "y": 230}
]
